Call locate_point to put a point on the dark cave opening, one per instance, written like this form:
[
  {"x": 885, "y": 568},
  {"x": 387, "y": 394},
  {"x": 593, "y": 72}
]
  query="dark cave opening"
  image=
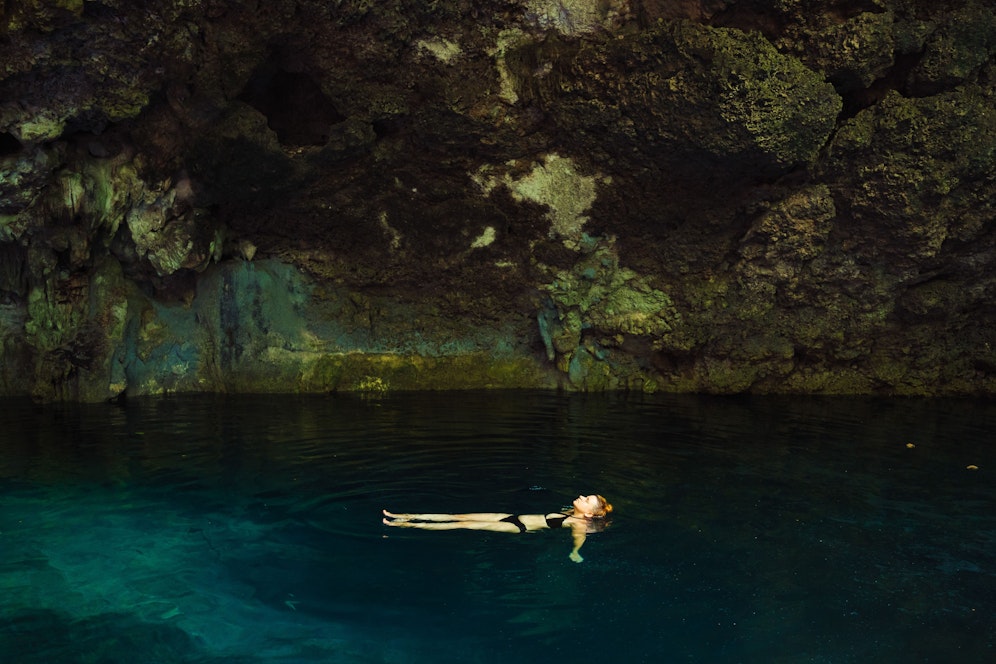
[
  {"x": 295, "y": 106},
  {"x": 8, "y": 144},
  {"x": 13, "y": 273},
  {"x": 857, "y": 98}
]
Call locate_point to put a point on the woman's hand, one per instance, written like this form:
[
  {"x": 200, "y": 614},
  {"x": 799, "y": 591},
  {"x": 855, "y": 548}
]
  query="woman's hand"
[{"x": 578, "y": 534}]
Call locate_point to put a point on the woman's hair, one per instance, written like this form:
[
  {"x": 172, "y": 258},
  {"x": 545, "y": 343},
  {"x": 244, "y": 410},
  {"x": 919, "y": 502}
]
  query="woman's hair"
[
  {"x": 604, "y": 505},
  {"x": 599, "y": 522}
]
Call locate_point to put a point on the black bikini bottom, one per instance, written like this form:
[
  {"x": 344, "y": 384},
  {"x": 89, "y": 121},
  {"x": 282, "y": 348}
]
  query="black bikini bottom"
[{"x": 515, "y": 521}]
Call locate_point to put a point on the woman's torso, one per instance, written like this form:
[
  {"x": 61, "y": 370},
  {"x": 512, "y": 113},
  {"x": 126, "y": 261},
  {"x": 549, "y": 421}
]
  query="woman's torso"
[{"x": 540, "y": 521}]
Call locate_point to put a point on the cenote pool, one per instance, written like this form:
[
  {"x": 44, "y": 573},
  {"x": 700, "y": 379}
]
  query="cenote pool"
[{"x": 247, "y": 529}]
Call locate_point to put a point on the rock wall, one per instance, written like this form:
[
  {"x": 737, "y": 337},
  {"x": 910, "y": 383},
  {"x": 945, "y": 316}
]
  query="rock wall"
[{"x": 687, "y": 195}]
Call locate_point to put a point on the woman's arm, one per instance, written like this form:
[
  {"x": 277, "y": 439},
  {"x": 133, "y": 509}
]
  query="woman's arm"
[{"x": 579, "y": 535}]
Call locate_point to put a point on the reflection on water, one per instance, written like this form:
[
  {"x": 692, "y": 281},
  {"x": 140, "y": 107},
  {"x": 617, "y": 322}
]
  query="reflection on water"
[{"x": 247, "y": 529}]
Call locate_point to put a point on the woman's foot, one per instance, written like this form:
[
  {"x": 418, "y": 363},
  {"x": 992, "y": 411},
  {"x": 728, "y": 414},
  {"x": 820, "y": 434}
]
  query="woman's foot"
[{"x": 399, "y": 522}]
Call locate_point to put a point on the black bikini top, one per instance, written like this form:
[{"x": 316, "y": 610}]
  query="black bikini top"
[{"x": 556, "y": 521}]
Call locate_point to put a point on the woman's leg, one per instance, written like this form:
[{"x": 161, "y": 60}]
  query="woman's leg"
[
  {"x": 496, "y": 526},
  {"x": 472, "y": 516}
]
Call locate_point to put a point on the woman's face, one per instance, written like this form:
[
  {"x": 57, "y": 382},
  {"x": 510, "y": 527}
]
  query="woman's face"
[{"x": 588, "y": 505}]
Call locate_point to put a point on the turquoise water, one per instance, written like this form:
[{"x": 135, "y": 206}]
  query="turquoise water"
[{"x": 204, "y": 529}]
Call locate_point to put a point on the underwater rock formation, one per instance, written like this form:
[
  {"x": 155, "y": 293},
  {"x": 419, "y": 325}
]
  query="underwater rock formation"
[{"x": 712, "y": 195}]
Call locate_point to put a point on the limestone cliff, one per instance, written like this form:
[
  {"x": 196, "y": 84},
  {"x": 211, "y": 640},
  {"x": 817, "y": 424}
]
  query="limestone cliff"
[{"x": 312, "y": 195}]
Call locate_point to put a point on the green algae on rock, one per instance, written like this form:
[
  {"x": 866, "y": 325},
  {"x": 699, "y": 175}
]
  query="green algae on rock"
[{"x": 594, "y": 308}]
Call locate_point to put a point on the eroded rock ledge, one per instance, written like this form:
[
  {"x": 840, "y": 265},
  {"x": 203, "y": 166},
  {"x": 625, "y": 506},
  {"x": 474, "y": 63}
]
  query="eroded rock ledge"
[{"x": 716, "y": 195}]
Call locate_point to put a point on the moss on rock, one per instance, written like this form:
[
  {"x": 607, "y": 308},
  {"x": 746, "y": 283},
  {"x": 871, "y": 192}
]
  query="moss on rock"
[
  {"x": 594, "y": 308},
  {"x": 556, "y": 183},
  {"x": 382, "y": 372},
  {"x": 902, "y": 167},
  {"x": 688, "y": 95},
  {"x": 958, "y": 49}
]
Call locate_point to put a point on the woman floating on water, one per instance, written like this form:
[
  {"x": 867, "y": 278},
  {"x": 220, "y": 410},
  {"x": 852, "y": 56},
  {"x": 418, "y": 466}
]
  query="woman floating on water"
[{"x": 590, "y": 514}]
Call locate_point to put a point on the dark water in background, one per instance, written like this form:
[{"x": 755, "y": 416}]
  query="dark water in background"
[{"x": 204, "y": 529}]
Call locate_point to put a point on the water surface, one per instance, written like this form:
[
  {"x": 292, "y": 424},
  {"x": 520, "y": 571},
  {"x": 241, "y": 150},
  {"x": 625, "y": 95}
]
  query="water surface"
[{"x": 209, "y": 529}]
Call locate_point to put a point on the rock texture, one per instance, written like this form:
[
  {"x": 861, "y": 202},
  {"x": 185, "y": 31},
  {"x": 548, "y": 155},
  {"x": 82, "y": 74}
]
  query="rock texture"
[{"x": 689, "y": 195}]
